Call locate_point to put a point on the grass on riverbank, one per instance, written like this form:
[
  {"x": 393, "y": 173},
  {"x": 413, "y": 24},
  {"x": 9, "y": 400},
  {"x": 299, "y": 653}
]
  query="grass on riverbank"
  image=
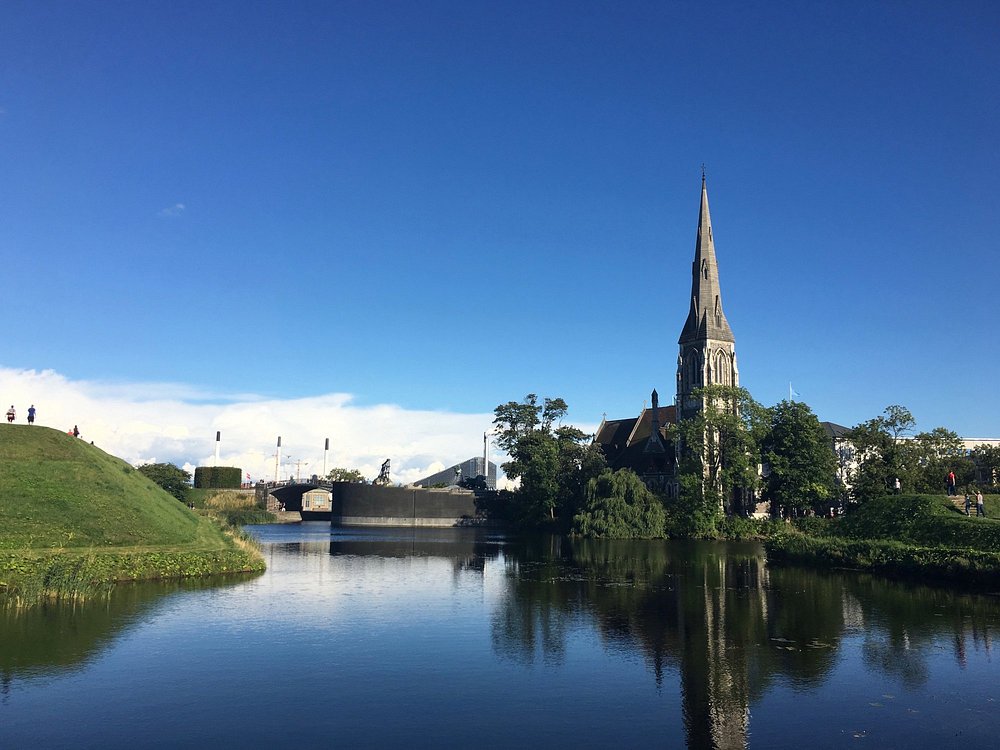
[
  {"x": 237, "y": 508},
  {"x": 75, "y": 520},
  {"x": 907, "y": 536}
]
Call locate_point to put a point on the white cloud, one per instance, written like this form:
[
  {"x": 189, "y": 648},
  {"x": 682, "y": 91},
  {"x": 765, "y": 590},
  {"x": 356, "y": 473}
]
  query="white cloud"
[
  {"x": 151, "y": 422},
  {"x": 170, "y": 211}
]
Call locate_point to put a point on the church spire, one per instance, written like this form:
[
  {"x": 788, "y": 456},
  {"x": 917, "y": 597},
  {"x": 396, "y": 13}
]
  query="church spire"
[{"x": 705, "y": 319}]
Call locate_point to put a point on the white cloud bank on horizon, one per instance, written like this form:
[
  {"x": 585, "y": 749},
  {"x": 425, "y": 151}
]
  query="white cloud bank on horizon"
[{"x": 176, "y": 423}]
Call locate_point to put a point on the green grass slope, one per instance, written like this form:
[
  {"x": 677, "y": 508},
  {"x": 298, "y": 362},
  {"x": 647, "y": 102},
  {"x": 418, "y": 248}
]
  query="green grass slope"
[
  {"x": 59, "y": 491},
  {"x": 75, "y": 520},
  {"x": 913, "y": 536}
]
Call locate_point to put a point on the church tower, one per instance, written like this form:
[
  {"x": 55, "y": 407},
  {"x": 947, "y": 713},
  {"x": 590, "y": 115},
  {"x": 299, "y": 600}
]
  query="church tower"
[{"x": 707, "y": 346}]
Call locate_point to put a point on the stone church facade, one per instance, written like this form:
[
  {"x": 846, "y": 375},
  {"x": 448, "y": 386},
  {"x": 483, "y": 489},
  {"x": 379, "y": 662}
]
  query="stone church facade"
[{"x": 706, "y": 356}]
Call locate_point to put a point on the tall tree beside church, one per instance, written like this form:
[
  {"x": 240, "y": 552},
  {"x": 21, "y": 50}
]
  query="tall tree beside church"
[
  {"x": 552, "y": 461},
  {"x": 800, "y": 467},
  {"x": 720, "y": 452}
]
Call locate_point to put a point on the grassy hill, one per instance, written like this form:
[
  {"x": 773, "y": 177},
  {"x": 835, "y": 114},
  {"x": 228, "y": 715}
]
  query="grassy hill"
[
  {"x": 82, "y": 517},
  {"x": 914, "y": 536}
]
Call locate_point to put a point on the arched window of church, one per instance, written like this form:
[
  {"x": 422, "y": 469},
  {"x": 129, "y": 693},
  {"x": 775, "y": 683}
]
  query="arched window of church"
[
  {"x": 704, "y": 268},
  {"x": 718, "y": 311},
  {"x": 722, "y": 369}
]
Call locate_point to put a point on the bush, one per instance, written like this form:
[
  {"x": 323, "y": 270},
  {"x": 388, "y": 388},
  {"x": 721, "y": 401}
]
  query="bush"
[
  {"x": 924, "y": 520},
  {"x": 246, "y": 516},
  {"x": 619, "y": 506},
  {"x": 230, "y": 501},
  {"x": 171, "y": 478},
  {"x": 218, "y": 477},
  {"x": 968, "y": 567},
  {"x": 813, "y": 525},
  {"x": 739, "y": 527}
]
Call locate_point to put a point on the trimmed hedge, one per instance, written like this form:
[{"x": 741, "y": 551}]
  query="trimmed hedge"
[{"x": 218, "y": 477}]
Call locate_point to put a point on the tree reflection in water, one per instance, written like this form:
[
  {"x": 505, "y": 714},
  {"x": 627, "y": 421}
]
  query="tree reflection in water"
[{"x": 729, "y": 625}]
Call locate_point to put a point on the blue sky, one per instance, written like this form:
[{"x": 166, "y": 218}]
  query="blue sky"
[{"x": 447, "y": 205}]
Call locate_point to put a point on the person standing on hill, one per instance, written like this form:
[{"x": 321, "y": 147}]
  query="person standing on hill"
[
  {"x": 980, "y": 508},
  {"x": 31, "y": 414},
  {"x": 951, "y": 483},
  {"x": 76, "y": 431},
  {"x": 10, "y": 413},
  {"x": 968, "y": 504}
]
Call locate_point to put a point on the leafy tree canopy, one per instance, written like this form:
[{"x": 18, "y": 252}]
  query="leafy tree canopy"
[
  {"x": 346, "y": 475},
  {"x": 987, "y": 458},
  {"x": 171, "y": 478},
  {"x": 618, "y": 505},
  {"x": 882, "y": 453},
  {"x": 801, "y": 466},
  {"x": 721, "y": 450},
  {"x": 552, "y": 461}
]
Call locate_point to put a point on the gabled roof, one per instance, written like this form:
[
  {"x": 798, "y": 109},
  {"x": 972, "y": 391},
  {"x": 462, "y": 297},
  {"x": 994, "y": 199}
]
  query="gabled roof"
[
  {"x": 624, "y": 441},
  {"x": 643, "y": 424},
  {"x": 835, "y": 431}
]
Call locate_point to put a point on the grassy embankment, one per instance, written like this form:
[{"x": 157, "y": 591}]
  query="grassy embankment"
[
  {"x": 910, "y": 536},
  {"x": 75, "y": 520},
  {"x": 232, "y": 508}
]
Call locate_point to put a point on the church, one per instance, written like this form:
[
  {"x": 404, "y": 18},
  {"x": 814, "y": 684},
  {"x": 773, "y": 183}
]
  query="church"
[{"x": 706, "y": 356}]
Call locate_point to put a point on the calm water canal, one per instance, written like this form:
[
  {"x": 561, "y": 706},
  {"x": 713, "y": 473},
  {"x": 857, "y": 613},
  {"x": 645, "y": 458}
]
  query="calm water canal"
[{"x": 465, "y": 638}]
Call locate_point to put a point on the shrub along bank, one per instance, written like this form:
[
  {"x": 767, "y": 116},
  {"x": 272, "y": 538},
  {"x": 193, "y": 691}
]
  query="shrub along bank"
[
  {"x": 76, "y": 520},
  {"x": 908, "y": 535},
  {"x": 236, "y": 508}
]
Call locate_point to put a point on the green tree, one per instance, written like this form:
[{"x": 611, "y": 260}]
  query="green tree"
[
  {"x": 986, "y": 459},
  {"x": 936, "y": 453},
  {"x": 172, "y": 478},
  {"x": 553, "y": 463},
  {"x": 800, "y": 465},
  {"x": 721, "y": 452},
  {"x": 883, "y": 454},
  {"x": 346, "y": 475},
  {"x": 618, "y": 505}
]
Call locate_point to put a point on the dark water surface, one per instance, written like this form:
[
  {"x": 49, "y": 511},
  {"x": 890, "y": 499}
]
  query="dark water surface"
[{"x": 466, "y": 638}]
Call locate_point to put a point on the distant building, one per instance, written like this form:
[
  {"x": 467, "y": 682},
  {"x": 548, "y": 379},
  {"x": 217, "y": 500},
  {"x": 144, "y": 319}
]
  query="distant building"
[
  {"x": 843, "y": 449},
  {"x": 468, "y": 469},
  {"x": 847, "y": 461},
  {"x": 318, "y": 499}
]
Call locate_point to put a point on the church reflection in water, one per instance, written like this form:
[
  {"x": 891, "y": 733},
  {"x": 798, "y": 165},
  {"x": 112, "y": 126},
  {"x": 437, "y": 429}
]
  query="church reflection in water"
[
  {"x": 712, "y": 623},
  {"x": 726, "y": 623}
]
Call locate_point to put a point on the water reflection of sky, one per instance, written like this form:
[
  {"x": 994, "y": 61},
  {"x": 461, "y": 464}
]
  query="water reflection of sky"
[{"x": 447, "y": 638}]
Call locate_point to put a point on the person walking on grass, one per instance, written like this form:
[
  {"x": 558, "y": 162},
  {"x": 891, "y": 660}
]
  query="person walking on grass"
[
  {"x": 968, "y": 504},
  {"x": 31, "y": 414},
  {"x": 10, "y": 413},
  {"x": 980, "y": 508},
  {"x": 951, "y": 483}
]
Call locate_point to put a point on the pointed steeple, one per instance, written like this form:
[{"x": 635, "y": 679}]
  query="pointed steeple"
[{"x": 705, "y": 319}]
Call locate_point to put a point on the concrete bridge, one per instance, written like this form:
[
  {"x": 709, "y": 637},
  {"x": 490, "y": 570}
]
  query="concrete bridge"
[
  {"x": 289, "y": 493},
  {"x": 372, "y": 505}
]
